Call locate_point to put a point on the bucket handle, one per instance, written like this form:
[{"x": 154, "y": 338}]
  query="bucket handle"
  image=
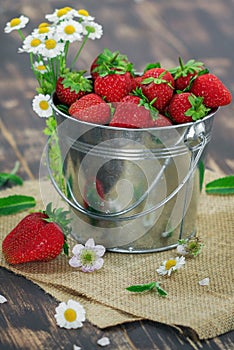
[{"x": 194, "y": 139}]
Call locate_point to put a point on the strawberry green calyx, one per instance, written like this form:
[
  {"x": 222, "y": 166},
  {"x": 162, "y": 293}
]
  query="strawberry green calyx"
[
  {"x": 109, "y": 62},
  {"x": 59, "y": 217},
  {"x": 158, "y": 80},
  {"x": 184, "y": 69},
  {"x": 146, "y": 103},
  {"x": 152, "y": 65},
  {"x": 198, "y": 109},
  {"x": 77, "y": 82}
]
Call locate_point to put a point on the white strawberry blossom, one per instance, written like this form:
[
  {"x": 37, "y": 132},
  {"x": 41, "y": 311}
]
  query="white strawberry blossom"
[
  {"x": 16, "y": 23},
  {"x": 41, "y": 105},
  {"x": 88, "y": 257}
]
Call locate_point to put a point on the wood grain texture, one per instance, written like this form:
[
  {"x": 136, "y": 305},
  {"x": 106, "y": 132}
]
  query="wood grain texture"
[{"x": 147, "y": 31}]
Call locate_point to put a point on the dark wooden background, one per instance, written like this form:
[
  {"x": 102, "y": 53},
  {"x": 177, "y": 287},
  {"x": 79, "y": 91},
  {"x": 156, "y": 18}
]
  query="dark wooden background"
[{"x": 146, "y": 31}]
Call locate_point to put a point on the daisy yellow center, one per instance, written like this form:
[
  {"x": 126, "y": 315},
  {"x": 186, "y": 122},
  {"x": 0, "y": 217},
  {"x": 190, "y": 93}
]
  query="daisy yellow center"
[
  {"x": 41, "y": 67},
  {"x": 43, "y": 30},
  {"x": 43, "y": 25},
  {"x": 70, "y": 315},
  {"x": 35, "y": 42},
  {"x": 69, "y": 29},
  {"x": 44, "y": 105},
  {"x": 50, "y": 44},
  {"x": 83, "y": 12},
  {"x": 170, "y": 263},
  {"x": 67, "y": 8},
  {"x": 15, "y": 22},
  {"x": 62, "y": 12}
]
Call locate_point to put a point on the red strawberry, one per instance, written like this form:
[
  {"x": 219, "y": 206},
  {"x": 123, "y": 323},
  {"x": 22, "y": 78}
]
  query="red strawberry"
[
  {"x": 72, "y": 86},
  {"x": 160, "y": 121},
  {"x": 214, "y": 92},
  {"x": 90, "y": 108},
  {"x": 184, "y": 72},
  {"x": 107, "y": 61},
  {"x": 37, "y": 237},
  {"x": 113, "y": 87},
  {"x": 129, "y": 114},
  {"x": 186, "y": 107},
  {"x": 136, "y": 82},
  {"x": 158, "y": 84}
]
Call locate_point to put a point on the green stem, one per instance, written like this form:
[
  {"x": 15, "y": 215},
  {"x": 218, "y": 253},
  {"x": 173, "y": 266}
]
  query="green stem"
[
  {"x": 22, "y": 37},
  {"x": 79, "y": 51}
]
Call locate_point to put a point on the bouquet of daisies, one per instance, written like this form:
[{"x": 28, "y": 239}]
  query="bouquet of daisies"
[{"x": 48, "y": 47}]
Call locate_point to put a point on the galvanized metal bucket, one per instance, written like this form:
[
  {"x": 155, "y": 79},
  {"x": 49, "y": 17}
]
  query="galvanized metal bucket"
[{"x": 132, "y": 190}]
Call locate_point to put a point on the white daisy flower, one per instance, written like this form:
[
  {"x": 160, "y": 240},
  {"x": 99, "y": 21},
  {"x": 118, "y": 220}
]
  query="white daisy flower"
[
  {"x": 170, "y": 265},
  {"x": 60, "y": 14},
  {"x": 16, "y": 24},
  {"x": 40, "y": 67},
  {"x": 95, "y": 30},
  {"x": 88, "y": 257},
  {"x": 42, "y": 32},
  {"x": 70, "y": 315},
  {"x": 70, "y": 31},
  {"x": 31, "y": 44},
  {"x": 83, "y": 14},
  {"x": 104, "y": 341},
  {"x": 51, "y": 47},
  {"x": 2, "y": 299},
  {"x": 41, "y": 105}
]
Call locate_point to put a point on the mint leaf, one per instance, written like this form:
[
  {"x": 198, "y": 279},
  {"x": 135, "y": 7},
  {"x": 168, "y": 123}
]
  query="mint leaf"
[
  {"x": 15, "y": 179},
  {"x": 223, "y": 186},
  {"x": 15, "y": 203},
  {"x": 160, "y": 291},
  {"x": 139, "y": 288}
]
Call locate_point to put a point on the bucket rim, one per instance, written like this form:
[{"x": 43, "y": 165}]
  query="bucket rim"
[{"x": 115, "y": 128}]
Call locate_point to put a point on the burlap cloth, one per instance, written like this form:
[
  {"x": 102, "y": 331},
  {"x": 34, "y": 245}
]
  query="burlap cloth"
[{"x": 208, "y": 310}]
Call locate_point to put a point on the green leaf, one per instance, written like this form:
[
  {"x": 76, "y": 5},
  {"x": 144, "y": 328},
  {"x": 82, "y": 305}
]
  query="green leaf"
[
  {"x": 224, "y": 185},
  {"x": 5, "y": 177},
  {"x": 15, "y": 203},
  {"x": 201, "y": 168},
  {"x": 160, "y": 291},
  {"x": 139, "y": 288}
]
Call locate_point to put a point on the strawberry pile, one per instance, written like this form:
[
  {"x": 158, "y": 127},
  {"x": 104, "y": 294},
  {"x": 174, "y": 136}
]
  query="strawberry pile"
[{"x": 117, "y": 96}]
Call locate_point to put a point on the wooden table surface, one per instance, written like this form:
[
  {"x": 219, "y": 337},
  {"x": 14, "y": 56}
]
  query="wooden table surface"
[{"x": 146, "y": 31}]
